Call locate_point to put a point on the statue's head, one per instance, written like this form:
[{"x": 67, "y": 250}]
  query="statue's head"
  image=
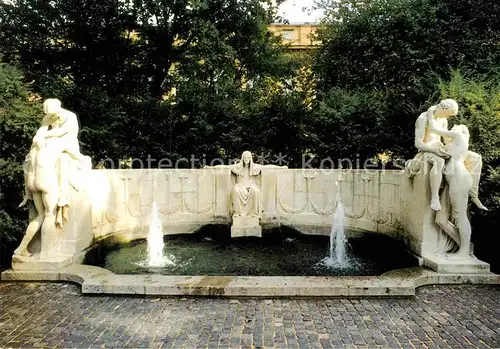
[
  {"x": 446, "y": 108},
  {"x": 461, "y": 129},
  {"x": 246, "y": 158},
  {"x": 52, "y": 107}
]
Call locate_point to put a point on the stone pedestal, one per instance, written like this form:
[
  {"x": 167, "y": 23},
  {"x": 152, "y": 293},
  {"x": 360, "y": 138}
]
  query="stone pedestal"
[
  {"x": 423, "y": 233},
  {"x": 33, "y": 263},
  {"x": 425, "y": 238},
  {"x": 76, "y": 234},
  {"x": 246, "y": 226},
  {"x": 443, "y": 265},
  {"x": 52, "y": 253}
]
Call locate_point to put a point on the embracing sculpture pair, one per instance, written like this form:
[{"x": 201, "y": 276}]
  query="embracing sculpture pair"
[
  {"x": 446, "y": 152},
  {"x": 50, "y": 174}
]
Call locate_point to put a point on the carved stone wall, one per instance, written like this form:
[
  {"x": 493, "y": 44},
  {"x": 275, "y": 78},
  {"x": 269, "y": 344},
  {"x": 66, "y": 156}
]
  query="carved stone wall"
[{"x": 305, "y": 199}]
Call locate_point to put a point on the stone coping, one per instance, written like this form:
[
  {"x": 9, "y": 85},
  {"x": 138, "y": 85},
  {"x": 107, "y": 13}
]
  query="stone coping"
[{"x": 400, "y": 282}]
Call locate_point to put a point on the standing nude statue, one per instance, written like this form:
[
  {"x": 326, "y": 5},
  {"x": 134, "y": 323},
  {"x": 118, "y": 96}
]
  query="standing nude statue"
[
  {"x": 460, "y": 182},
  {"x": 432, "y": 154},
  {"x": 48, "y": 170}
]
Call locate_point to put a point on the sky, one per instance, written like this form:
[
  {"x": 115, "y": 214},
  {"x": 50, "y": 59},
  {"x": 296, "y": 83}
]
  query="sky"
[{"x": 292, "y": 10}]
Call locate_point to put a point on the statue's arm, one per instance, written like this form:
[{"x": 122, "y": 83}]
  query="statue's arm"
[
  {"x": 450, "y": 134},
  {"x": 40, "y": 134},
  {"x": 441, "y": 131},
  {"x": 446, "y": 139},
  {"x": 69, "y": 125},
  {"x": 420, "y": 126},
  {"x": 44, "y": 127},
  {"x": 57, "y": 132},
  {"x": 73, "y": 154}
]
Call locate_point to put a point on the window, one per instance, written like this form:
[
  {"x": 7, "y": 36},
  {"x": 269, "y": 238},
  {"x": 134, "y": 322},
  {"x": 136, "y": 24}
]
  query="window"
[{"x": 287, "y": 34}]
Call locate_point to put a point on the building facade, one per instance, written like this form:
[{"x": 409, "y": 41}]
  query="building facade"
[{"x": 300, "y": 36}]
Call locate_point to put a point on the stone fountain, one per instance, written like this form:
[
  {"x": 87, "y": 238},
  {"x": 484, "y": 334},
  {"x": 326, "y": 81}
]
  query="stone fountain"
[{"x": 66, "y": 217}]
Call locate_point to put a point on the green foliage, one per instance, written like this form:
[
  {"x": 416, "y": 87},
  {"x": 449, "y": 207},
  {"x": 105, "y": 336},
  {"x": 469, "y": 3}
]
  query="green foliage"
[
  {"x": 19, "y": 119},
  {"x": 116, "y": 64},
  {"x": 351, "y": 118},
  {"x": 389, "y": 44},
  {"x": 479, "y": 101},
  {"x": 393, "y": 49}
]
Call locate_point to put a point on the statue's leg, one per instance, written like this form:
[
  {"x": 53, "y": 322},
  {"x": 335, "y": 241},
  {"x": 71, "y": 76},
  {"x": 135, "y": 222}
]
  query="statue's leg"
[
  {"x": 238, "y": 204},
  {"x": 33, "y": 226},
  {"x": 435, "y": 177},
  {"x": 49, "y": 231},
  {"x": 408, "y": 169},
  {"x": 29, "y": 168},
  {"x": 254, "y": 208},
  {"x": 459, "y": 207},
  {"x": 64, "y": 173},
  {"x": 29, "y": 176},
  {"x": 474, "y": 163},
  {"x": 443, "y": 217}
]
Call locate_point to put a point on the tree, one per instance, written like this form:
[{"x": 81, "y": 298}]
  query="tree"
[
  {"x": 390, "y": 51},
  {"x": 116, "y": 63},
  {"x": 385, "y": 44},
  {"x": 20, "y": 115}
]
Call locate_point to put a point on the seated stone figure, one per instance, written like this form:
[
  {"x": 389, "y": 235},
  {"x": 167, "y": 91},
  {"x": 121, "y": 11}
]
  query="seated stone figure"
[
  {"x": 246, "y": 196},
  {"x": 50, "y": 171},
  {"x": 456, "y": 223}
]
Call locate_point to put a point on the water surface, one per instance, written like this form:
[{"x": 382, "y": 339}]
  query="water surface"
[{"x": 279, "y": 252}]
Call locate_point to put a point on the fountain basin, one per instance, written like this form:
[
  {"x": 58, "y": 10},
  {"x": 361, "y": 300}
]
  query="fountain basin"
[
  {"x": 402, "y": 282},
  {"x": 280, "y": 252}
]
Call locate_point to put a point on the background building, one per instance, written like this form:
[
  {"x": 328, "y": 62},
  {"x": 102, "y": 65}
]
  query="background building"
[{"x": 299, "y": 35}]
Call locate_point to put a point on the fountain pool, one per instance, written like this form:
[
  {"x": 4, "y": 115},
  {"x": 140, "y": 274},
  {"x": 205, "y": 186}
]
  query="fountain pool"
[{"x": 280, "y": 252}]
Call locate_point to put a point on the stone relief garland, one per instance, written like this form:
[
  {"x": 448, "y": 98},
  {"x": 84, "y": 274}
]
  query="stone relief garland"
[
  {"x": 332, "y": 205},
  {"x": 107, "y": 217},
  {"x": 198, "y": 211},
  {"x": 325, "y": 212},
  {"x": 167, "y": 212},
  {"x": 183, "y": 203},
  {"x": 179, "y": 207},
  {"x": 291, "y": 210}
]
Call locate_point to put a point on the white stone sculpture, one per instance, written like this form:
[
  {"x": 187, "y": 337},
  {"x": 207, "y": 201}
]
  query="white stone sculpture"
[
  {"x": 455, "y": 223},
  {"x": 246, "y": 205},
  {"x": 432, "y": 153},
  {"x": 246, "y": 198},
  {"x": 51, "y": 171}
]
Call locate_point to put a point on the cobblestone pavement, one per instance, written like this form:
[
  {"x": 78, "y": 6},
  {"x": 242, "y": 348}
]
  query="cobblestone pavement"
[{"x": 56, "y": 315}]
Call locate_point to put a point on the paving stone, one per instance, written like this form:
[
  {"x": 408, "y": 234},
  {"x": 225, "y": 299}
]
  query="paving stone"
[{"x": 57, "y": 315}]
